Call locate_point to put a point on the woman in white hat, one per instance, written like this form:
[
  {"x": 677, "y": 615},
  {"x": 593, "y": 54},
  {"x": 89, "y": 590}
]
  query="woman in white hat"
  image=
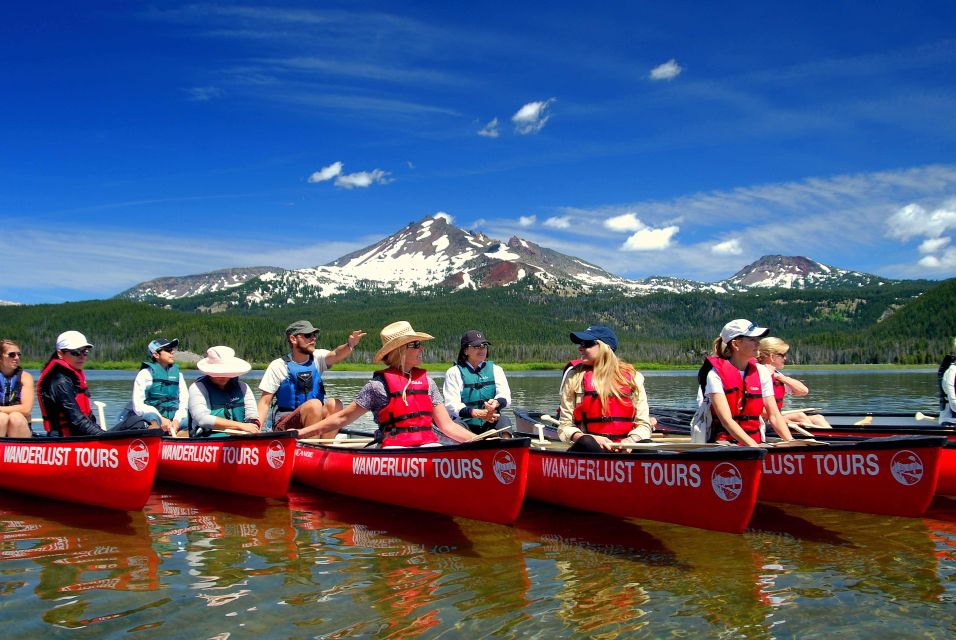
[
  {"x": 737, "y": 388},
  {"x": 219, "y": 400},
  {"x": 403, "y": 399}
]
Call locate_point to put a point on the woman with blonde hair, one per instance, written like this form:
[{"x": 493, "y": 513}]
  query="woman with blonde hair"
[
  {"x": 603, "y": 401},
  {"x": 737, "y": 388},
  {"x": 403, "y": 399},
  {"x": 16, "y": 393},
  {"x": 772, "y": 353}
]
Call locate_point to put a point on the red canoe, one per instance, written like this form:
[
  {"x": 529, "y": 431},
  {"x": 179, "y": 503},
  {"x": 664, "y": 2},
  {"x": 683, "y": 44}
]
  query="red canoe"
[
  {"x": 114, "y": 470},
  {"x": 255, "y": 464},
  {"x": 895, "y": 475},
  {"x": 709, "y": 487},
  {"x": 484, "y": 480},
  {"x": 881, "y": 425}
]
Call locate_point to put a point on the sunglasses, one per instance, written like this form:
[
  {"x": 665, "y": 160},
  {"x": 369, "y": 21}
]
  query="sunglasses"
[
  {"x": 308, "y": 337},
  {"x": 169, "y": 349},
  {"x": 414, "y": 345},
  {"x": 78, "y": 353},
  {"x": 587, "y": 344},
  {"x": 13, "y": 354}
]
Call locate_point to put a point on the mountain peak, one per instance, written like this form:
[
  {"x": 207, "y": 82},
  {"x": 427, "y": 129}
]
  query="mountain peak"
[{"x": 797, "y": 272}]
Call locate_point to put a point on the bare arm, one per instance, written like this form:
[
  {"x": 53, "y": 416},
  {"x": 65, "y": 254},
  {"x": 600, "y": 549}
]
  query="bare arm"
[
  {"x": 776, "y": 420},
  {"x": 265, "y": 401},
  {"x": 334, "y": 422},
  {"x": 722, "y": 409},
  {"x": 797, "y": 388},
  {"x": 344, "y": 350}
]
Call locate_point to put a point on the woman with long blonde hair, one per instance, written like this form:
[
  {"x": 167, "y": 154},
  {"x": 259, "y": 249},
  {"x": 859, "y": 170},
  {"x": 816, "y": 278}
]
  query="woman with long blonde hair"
[
  {"x": 603, "y": 402},
  {"x": 772, "y": 353}
]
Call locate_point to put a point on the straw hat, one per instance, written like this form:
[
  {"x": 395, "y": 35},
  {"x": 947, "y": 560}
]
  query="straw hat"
[
  {"x": 222, "y": 362},
  {"x": 396, "y": 335}
]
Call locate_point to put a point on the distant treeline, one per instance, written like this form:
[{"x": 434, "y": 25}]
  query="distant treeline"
[{"x": 905, "y": 323}]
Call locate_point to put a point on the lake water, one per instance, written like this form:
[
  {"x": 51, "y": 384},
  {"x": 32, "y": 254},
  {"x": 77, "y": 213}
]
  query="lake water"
[{"x": 199, "y": 564}]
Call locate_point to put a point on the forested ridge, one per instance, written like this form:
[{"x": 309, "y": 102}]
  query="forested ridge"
[{"x": 910, "y": 322}]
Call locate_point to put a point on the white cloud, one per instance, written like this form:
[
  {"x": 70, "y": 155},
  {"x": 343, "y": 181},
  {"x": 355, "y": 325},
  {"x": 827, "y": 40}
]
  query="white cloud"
[
  {"x": 946, "y": 262},
  {"x": 667, "y": 71},
  {"x": 326, "y": 173},
  {"x": 532, "y": 117},
  {"x": 203, "y": 94},
  {"x": 362, "y": 179},
  {"x": 913, "y": 220},
  {"x": 728, "y": 248},
  {"x": 558, "y": 222},
  {"x": 490, "y": 130},
  {"x": 625, "y": 222},
  {"x": 441, "y": 214},
  {"x": 933, "y": 245},
  {"x": 527, "y": 221},
  {"x": 650, "y": 239}
]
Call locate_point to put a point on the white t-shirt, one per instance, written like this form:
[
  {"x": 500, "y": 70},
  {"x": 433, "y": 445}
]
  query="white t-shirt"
[
  {"x": 142, "y": 381},
  {"x": 948, "y": 414},
  {"x": 278, "y": 371}
]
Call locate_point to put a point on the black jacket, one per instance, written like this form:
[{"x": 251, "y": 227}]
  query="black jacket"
[{"x": 59, "y": 398}]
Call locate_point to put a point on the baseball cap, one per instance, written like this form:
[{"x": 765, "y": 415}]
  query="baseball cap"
[
  {"x": 300, "y": 328},
  {"x": 161, "y": 343},
  {"x": 741, "y": 327},
  {"x": 595, "y": 332},
  {"x": 473, "y": 338},
  {"x": 71, "y": 340}
]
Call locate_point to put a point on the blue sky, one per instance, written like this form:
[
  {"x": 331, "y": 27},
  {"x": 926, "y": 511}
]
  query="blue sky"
[{"x": 147, "y": 139}]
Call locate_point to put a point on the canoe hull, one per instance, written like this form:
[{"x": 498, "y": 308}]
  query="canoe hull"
[
  {"x": 114, "y": 470},
  {"x": 707, "y": 488},
  {"x": 483, "y": 480},
  {"x": 258, "y": 464},
  {"x": 895, "y": 475}
]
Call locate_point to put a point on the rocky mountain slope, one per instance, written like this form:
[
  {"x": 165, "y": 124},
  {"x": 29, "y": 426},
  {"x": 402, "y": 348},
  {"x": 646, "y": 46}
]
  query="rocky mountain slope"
[{"x": 431, "y": 252}]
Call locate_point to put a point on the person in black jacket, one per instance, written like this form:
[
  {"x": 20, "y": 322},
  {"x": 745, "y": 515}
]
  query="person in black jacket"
[{"x": 63, "y": 395}]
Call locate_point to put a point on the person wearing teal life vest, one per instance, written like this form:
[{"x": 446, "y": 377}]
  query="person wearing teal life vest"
[
  {"x": 476, "y": 389},
  {"x": 292, "y": 392},
  {"x": 219, "y": 400},
  {"x": 17, "y": 392},
  {"x": 160, "y": 393}
]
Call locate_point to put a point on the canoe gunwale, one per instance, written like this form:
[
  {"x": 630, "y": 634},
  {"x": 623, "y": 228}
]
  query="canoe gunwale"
[{"x": 102, "y": 437}]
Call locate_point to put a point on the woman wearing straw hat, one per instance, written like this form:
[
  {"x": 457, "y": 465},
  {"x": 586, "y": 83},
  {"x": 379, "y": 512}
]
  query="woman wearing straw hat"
[
  {"x": 402, "y": 398},
  {"x": 219, "y": 400}
]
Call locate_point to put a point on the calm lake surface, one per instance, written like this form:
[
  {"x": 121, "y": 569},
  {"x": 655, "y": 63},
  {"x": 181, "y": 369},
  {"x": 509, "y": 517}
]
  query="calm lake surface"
[{"x": 200, "y": 564}]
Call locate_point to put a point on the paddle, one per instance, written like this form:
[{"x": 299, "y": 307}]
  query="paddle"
[
  {"x": 922, "y": 416},
  {"x": 101, "y": 407},
  {"x": 546, "y": 418},
  {"x": 786, "y": 412},
  {"x": 337, "y": 440},
  {"x": 490, "y": 433}
]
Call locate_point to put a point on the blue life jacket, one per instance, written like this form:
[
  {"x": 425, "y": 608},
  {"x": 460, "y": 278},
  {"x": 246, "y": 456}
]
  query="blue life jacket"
[
  {"x": 477, "y": 387},
  {"x": 10, "y": 388},
  {"x": 228, "y": 403},
  {"x": 163, "y": 393},
  {"x": 304, "y": 382}
]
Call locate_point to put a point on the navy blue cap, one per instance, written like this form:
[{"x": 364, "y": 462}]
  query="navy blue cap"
[
  {"x": 596, "y": 332},
  {"x": 161, "y": 343}
]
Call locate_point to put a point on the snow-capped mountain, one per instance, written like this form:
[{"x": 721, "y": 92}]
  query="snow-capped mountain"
[
  {"x": 432, "y": 252},
  {"x": 797, "y": 272},
  {"x": 7, "y": 303},
  {"x": 171, "y": 288}
]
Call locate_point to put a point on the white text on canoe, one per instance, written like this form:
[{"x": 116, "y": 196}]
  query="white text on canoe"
[
  {"x": 60, "y": 456},
  {"x": 210, "y": 455}
]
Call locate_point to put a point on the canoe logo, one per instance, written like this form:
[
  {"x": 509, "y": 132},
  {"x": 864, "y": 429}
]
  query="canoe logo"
[
  {"x": 727, "y": 481},
  {"x": 275, "y": 454},
  {"x": 906, "y": 467},
  {"x": 505, "y": 467},
  {"x": 138, "y": 455}
]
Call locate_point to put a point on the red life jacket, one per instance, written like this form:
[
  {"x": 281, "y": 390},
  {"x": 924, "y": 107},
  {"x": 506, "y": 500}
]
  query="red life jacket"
[
  {"x": 405, "y": 422},
  {"x": 590, "y": 416},
  {"x": 744, "y": 396},
  {"x": 59, "y": 421},
  {"x": 779, "y": 391}
]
